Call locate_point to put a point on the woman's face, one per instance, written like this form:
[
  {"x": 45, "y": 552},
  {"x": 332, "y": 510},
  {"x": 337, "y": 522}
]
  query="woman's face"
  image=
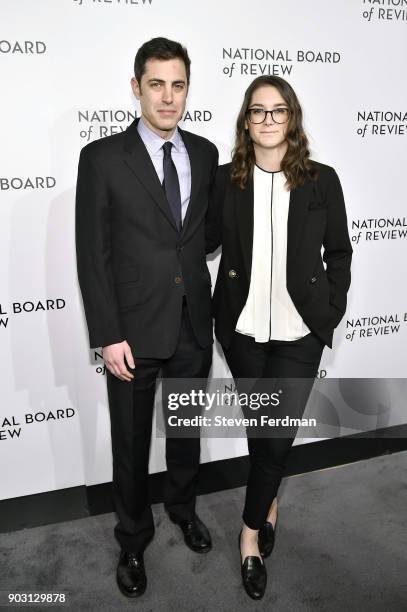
[{"x": 269, "y": 134}]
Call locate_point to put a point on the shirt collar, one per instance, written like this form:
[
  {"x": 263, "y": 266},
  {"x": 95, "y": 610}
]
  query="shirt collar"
[{"x": 154, "y": 142}]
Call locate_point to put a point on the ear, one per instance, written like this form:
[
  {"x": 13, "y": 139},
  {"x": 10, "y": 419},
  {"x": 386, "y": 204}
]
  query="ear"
[{"x": 136, "y": 88}]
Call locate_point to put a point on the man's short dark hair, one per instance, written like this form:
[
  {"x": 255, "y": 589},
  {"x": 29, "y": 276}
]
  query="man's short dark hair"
[{"x": 161, "y": 49}]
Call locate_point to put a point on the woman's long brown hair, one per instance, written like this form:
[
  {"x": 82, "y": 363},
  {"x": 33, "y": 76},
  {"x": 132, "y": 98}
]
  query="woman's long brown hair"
[{"x": 295, "y": 164}]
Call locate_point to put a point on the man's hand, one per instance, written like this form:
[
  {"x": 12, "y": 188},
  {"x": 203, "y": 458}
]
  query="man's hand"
[{"x": 114, "y": 355}]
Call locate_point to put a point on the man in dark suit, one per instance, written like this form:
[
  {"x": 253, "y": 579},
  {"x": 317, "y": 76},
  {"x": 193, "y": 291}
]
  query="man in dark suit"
[{"x": 141, "y": 201}]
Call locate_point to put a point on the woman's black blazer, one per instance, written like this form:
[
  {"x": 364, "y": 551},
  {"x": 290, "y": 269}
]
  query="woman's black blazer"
[{"x": 316, "y": 222}]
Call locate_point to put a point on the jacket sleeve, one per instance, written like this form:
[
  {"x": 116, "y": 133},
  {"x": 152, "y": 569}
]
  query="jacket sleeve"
[
  {"x": 93, "y": 254},
  {"x": 337, "y": 248},
  {"x": 214, "y": 216}
]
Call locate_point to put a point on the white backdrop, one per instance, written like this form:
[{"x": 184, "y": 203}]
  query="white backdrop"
[{"x": 65, "y": 67}]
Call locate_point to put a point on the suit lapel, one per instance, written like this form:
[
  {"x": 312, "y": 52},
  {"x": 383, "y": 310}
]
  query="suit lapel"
[
  {"x": 138, "y": 160},
  {"x": 244, "y": 202},
  {"x": 297, "y": 213},
  {"x": 196, "y": 176}
]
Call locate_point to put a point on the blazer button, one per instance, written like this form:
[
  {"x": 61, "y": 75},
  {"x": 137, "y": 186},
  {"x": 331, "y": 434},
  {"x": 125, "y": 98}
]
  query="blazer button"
[
  {"x": 313, "y": 280},
  {"x": 232, "y": 273},
  {"x": 177, "y": 280}
]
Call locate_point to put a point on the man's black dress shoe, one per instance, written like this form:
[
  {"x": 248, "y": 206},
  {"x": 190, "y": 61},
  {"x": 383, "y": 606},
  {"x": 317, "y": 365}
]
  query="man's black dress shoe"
[
  {"x": 266, "y": 539},
  {"x": 254, "y": 575},
  {"x": 196, "y": 534},
  {"x": 131, "y": 574}
]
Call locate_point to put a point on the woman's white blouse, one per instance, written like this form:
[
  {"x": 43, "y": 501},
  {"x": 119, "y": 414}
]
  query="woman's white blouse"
[{"x": 269, "y": 313}]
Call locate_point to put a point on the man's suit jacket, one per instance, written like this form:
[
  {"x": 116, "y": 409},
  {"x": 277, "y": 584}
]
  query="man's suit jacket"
[
  {"x": 316, "y": 218},
  {"x": 133, "y": 264}
]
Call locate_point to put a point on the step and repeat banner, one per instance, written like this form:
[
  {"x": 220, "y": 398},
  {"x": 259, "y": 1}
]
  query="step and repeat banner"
[{"x": 65, "y": 69}]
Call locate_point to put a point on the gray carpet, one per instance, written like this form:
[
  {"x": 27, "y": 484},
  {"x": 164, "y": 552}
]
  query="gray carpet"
[{"x": 341, "y": 543}]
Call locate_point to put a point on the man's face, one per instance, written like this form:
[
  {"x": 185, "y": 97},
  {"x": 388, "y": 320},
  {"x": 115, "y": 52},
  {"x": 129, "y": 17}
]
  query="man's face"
[{"x": 162, "y": 94}]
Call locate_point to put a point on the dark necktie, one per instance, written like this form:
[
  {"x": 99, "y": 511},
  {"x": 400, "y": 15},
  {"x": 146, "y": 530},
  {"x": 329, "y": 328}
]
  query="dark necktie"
[{"x": 171, "y": 185}]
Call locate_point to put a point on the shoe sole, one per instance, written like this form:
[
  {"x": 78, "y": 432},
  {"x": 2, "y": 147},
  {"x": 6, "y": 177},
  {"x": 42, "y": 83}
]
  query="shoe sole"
[
  {"x": 130, "y": 595},
  {"x": 202, "y": 551}
]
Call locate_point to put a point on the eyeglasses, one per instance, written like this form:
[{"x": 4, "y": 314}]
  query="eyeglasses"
[{"x": 258, "y": 115}]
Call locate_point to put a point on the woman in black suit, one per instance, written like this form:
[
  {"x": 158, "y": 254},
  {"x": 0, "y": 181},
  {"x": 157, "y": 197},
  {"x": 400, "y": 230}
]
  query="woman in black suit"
[{"x": 275, "y": 302}]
